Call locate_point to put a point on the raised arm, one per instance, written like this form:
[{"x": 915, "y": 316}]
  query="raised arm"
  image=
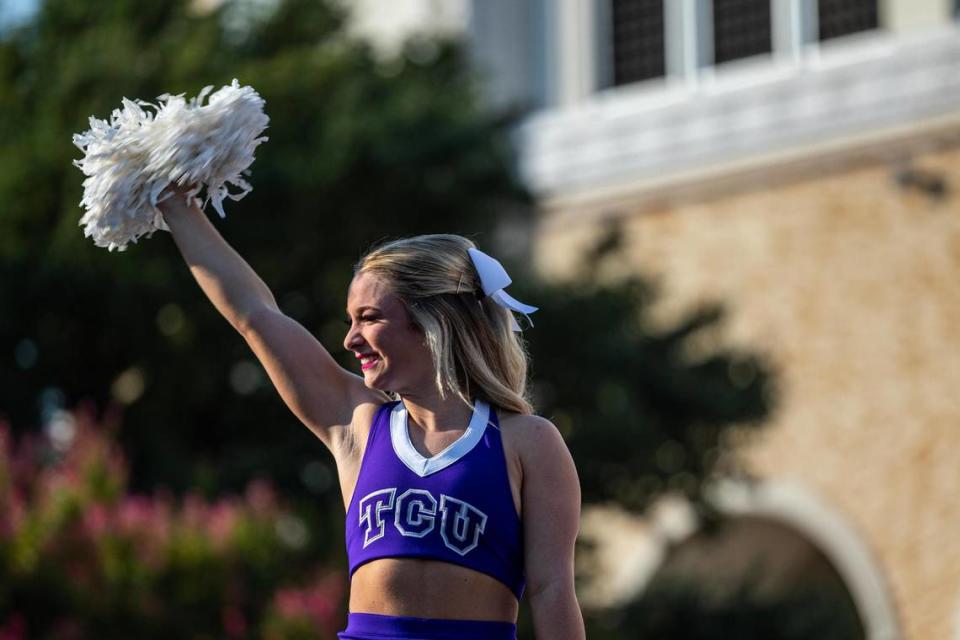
[{"x": 322, "y": 394}]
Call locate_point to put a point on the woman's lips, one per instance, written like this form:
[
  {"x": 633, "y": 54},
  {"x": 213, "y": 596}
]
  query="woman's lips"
[{"x": 367, "y": 362}]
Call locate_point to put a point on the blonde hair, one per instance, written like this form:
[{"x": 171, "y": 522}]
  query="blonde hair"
[{"x": 475, "y": 351}]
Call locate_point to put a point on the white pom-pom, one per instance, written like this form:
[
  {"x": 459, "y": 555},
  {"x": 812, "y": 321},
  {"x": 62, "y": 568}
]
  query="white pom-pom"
[{"x": 129, "y": 160}]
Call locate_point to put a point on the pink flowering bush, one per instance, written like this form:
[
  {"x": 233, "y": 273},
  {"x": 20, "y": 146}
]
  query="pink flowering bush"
[
  {"x": 82, "y": 558},
  {"x": 298, "y": 612}
]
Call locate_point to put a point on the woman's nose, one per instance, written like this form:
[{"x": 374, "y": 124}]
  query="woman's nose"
[{"x": 352, "y": 339}]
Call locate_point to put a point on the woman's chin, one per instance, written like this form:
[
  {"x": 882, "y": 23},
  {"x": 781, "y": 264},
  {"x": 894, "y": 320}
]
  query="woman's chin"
[{"x": 373, "y": 381}]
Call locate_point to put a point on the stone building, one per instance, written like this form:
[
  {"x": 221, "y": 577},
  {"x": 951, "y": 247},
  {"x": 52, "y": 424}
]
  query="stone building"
[{"x": 798, "y": 161}]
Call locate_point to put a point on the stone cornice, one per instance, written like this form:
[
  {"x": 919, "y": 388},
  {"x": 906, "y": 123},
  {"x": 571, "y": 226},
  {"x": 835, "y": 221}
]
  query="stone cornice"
[{"x": 846, "y": 97}]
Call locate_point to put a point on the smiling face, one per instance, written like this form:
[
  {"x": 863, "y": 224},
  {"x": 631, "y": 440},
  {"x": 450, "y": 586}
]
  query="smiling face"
[{"x": 390, "y": 347}]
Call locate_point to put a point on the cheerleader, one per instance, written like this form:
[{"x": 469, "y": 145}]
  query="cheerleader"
[{"x": 459, "y": 500}]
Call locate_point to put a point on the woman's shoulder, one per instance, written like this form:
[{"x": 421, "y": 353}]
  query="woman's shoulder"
[
  {"x": 525, "y": 423},
  {"x": 528, "y": 434}
]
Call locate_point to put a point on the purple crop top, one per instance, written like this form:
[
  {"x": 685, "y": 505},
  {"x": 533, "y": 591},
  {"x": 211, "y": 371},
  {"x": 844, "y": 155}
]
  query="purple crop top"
[{"x": 455, "y": 506}]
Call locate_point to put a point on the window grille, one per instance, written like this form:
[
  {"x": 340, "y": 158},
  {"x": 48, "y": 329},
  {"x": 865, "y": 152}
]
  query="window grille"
[
  {"x": 741, "y": 28},
  {"x": 638, "y": 40},
  {"x": 842, "y": 17}
]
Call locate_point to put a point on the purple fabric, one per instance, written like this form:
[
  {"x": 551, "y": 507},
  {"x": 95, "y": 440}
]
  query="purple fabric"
[
  {"x": 463, "y": 514},
  {"x": 369, "y": 626}
]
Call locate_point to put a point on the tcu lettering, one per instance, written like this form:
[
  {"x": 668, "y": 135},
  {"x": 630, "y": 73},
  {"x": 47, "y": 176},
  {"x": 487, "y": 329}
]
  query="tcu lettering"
[{"x": 415, "y": 516}]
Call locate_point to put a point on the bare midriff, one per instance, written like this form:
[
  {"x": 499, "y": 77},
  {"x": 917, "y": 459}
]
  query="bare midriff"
[{"x": 430, "y": 589}]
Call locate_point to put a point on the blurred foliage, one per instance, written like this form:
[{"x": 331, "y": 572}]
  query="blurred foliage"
[
  {"x": 681, "y": 611},
  {"x": 80, "y": 557}
]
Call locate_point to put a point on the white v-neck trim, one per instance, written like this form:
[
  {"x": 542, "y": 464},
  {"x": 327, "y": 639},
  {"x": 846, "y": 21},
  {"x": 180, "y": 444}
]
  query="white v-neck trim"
[{"x": 408, "y": 454}]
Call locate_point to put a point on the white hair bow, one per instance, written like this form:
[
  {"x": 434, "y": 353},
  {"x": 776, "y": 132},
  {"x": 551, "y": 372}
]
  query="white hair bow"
[{"x": 493, "y": 279}]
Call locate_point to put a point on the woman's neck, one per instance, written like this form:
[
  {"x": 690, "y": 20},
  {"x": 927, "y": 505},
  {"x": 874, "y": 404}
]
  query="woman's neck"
[{"x": 431, "y": 413}]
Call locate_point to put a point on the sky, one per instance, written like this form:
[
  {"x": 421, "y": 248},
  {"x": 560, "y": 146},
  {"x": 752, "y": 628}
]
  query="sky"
[{"x": 15, "y": 11}]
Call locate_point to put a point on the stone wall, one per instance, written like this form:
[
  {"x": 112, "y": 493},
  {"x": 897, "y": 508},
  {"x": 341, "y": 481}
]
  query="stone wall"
[{"x": 850, "y": 283}]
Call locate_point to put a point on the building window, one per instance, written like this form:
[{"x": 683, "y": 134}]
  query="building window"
[
  {"x": 843, "y": 17},
  {"x": 638, "y": 40},
  {"x": 645, "y": 39},
  {"x": 741, "y": 28}
]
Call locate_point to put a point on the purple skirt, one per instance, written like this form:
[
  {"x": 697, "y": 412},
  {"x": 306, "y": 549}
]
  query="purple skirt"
[{"x": 371, "y": 626}]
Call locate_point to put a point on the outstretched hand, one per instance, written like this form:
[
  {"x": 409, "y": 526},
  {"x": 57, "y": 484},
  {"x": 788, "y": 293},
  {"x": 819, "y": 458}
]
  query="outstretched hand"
[{"x": 176, "y": 199}]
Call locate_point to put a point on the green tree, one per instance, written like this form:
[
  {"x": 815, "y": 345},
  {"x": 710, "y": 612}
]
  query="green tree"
[{"x": 360, "y": 149}]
